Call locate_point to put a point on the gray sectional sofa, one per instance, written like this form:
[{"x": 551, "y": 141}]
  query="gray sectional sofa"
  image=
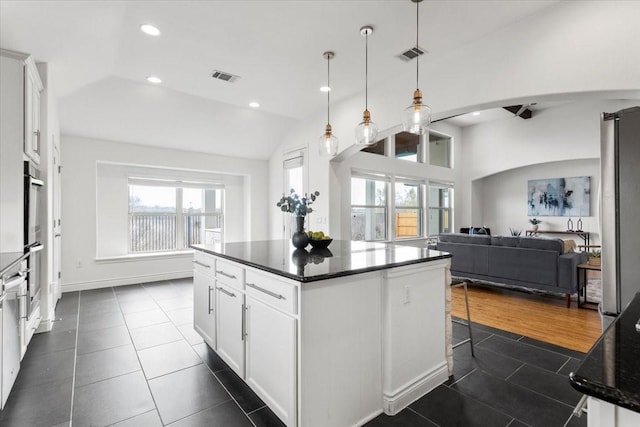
[{"x": 526, "y": 262}]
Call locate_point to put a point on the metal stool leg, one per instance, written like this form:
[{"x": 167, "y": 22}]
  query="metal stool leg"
[
  {"x": 468, "y": 323},
  {"x": 466, "y": 300}
]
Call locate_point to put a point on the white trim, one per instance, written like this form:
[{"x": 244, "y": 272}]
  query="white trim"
[
  {"x": 399, "y": 399},
  {"x": 152, "y": 256},
  {"x": 121, "y": 281}
]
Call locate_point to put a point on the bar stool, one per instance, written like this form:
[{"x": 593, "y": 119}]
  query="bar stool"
[{"x": 456, "y": 284}]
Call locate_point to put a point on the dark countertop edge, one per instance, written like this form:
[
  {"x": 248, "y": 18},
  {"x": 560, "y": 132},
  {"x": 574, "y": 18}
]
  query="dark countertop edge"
[
  {"x": 608, "y": 394},
  {"x": 14, "y": 262},
  {"x": 319, "y": 277}
]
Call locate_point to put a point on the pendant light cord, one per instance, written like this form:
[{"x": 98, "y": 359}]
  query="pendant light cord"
[
  {"x": 329, "y": 86},
  {"x": 366, "y": 71},
  {"x": 417, "y": 48}
]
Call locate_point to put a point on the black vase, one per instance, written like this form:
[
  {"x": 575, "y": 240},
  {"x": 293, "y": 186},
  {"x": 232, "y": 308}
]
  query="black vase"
[{"x": 300, "y": 239}]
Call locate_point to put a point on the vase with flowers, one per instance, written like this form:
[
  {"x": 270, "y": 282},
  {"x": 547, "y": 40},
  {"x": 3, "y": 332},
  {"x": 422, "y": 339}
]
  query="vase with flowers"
[{"x": 298, "y": 206}]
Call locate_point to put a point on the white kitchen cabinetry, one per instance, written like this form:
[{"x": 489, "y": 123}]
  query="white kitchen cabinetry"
[
  {"x": 32, "y": 89},
  {"x": 271, "y": 336},
  {"x": 605, "y": 414},
  {"x": 204, "y": 285},
  {"x": 11, "y": 150},
  {"x": 338, "y": 351},
  {"x": 230, "y": 321}
]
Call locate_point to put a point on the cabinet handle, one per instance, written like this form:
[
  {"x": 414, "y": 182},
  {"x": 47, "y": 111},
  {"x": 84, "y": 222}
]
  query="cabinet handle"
[
  {"x": 266, "y": 291},
  {"x": 210, "y": 309},
  {"x": 202, "y": 264},
  {"x": 230, "y": 276},
  {"x": 231, "y": 294},
  {"x": 244, "y": 323}
]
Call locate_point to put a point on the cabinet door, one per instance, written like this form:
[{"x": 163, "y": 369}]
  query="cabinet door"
[
  {"x": 230, "y": 323},
  {"x": 204, "y": 319},
  {"x": 32, "y": 113},
  {"x": 271, "y": 358}
]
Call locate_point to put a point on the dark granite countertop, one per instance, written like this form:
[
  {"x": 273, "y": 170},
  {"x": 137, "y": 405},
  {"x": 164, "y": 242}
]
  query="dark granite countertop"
[
  {"x": 341, "y": 258},
  {"x": 611, "y": 370},
  {"x": 9, "y": 259}
]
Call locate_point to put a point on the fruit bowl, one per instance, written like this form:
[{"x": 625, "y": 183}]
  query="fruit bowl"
[{"x": 320, "y": 243}]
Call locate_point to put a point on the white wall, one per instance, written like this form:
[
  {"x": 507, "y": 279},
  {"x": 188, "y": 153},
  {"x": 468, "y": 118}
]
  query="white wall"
[
  {"x": 566, "y": 132},
  {"x": 80, "y": 157},
  {"x": 570, "y": 51},
  {"x": 503, "y": 198}
]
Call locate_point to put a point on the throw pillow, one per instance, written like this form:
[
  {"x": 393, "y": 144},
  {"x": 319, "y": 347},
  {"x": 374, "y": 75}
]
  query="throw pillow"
[{"x": 569, "y": 246}]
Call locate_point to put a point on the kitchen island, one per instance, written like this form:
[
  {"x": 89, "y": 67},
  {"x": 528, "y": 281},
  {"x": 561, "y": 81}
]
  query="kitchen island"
[
  {"x": 327, "y": 337},
  {"x": 610, "y": 373}
]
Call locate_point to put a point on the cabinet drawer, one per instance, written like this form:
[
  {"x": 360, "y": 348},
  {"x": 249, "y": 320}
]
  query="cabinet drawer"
[
  {"x": 204, "y": 263},
  {"x": 272, "y": 291},
  {"x": 230, "y": 273}
]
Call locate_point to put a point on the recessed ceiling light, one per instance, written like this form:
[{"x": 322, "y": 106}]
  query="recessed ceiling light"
[
  {"x": 152, "y": 30},
  {"x": 325, "y": 89},
  {"x": 254, "y": 104},
  {"x": 475, "y": 113},
  {"x": 154, "y": 79}
]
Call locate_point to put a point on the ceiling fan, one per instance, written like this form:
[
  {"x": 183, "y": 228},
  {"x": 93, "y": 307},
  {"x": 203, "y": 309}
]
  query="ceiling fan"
[{"x": 523, "y": 111}]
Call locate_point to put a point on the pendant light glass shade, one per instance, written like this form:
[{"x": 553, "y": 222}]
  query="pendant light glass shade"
[
  {"x": 328, "y": 143},
  {"x": 366, "y": 131},
  {"x": 417, "y": 116}
]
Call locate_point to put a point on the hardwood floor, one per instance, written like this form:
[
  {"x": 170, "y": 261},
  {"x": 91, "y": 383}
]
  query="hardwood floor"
[{"x": 542, "y": 317}]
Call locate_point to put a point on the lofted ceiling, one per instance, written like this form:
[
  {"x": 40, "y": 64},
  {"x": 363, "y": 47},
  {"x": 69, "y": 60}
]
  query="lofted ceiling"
[{"x": 99, "y": 60}]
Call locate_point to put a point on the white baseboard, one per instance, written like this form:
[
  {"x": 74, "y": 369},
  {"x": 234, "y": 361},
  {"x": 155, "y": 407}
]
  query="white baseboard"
[
  {"x": 121, "y": 281},
  {"x": 45, "y": 326},
  {"x": 393, "y": 404}
]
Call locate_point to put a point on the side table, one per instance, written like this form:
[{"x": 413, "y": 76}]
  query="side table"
[{"x": 582, "y": 286}]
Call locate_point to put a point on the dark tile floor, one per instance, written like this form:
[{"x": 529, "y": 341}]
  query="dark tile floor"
[{"x": 128, "y": 356}]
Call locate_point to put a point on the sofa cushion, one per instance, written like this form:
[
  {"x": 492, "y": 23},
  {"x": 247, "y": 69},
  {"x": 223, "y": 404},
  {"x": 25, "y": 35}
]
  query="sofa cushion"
[
  {"x": 470, "y": 239},
  {"x": 543, "y": 244},
  {"x": 510, "y": 241},
  {"x": 467, "y": 258},
  {"x": 532, "y": 266}
]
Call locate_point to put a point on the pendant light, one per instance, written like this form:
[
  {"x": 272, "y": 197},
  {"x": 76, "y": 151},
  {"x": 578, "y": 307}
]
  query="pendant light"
[
  {"x": 328, "y": 143},
  {"x": 417, "y": 117},
  {"x": 367, "y": 131}
]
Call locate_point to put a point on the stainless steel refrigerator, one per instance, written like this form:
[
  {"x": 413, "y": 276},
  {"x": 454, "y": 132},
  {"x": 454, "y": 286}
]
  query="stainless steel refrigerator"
[{"x": 619, "y": 210}]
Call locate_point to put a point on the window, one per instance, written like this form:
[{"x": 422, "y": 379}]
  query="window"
[
  {"x": 368, "y": 208},
  {"x": 293, "y": 167},
  {"x": 409, "y": 147},
  {"x": 156, "y": 224},
  {"x": 439, "y": 150},
  {"x": 376, "y": 148},
  {"x": 440, "y": 209},
  {"x": 408, "y": 197},
  {"x": 390, "y": 195}
]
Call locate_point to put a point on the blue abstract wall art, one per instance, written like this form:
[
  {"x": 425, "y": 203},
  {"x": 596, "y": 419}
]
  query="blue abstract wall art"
[{"x": 559, "y": 197}]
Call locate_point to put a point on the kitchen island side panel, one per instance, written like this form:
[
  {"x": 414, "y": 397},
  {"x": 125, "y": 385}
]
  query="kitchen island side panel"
[{"x": 340, "y": 360}]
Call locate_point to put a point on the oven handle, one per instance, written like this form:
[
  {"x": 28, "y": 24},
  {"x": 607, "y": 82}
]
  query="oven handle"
[
  {"x": 36, "y": 248},
  {"x": 34, "y": 181},
  {"x": 14, "y": 282}
]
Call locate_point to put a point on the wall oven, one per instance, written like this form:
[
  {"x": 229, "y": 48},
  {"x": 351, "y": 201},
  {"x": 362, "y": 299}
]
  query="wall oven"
[{"x": 33, "y": 199}]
